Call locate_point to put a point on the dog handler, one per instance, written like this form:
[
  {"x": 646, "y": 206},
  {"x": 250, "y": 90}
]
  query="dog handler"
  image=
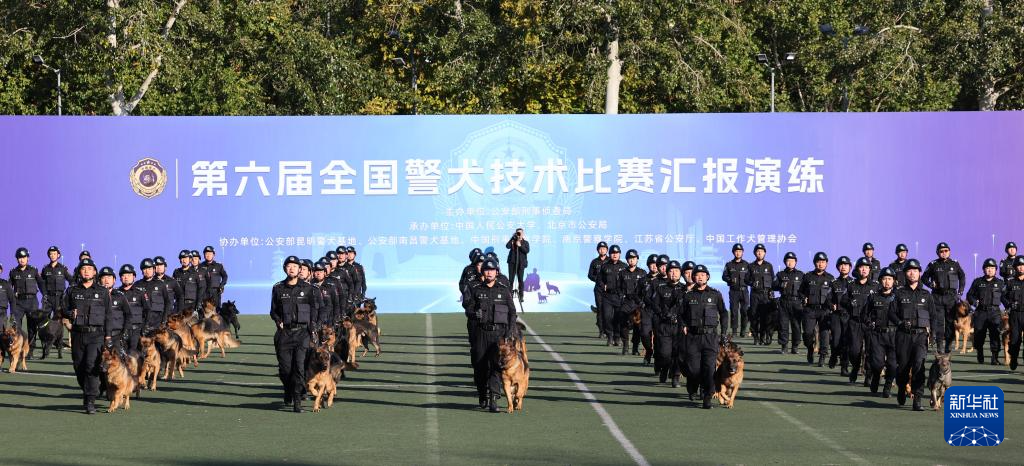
[
  {"x": 703, "y": 311},
  {"x": 87, "y": 305},
  {"x": 293, "y": 307},
  {"x": 490, "y": 304}
]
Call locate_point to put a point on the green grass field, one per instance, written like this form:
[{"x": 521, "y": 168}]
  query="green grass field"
[{"x": 398, "y": 409}]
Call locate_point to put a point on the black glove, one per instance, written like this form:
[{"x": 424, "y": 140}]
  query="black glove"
[
  {"x": 907, "y": 325},
  {"x": 478, "y": 314}
]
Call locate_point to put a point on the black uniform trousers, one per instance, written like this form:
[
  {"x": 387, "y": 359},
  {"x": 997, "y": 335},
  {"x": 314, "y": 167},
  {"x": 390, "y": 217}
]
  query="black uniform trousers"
[
  {"x": 815, "y": 317},
  {"x": 132, "y": 335},
  {"x": 761, "y": 312},
  {"x": 24, "y": 307},
  {"x": 291, "y": 345},
  {"x": 700, "y": 353},
  {"x": 624, "y": 318},
  {"x": 853, "y": 346},
  {"x": 598, "y": 304},
  {"x": 665, "y": 350},
  {"x": 942, "y": 323},
  {"x": 790, "y": 314},
  {"x": 1016, "y": 329},
  {"x": 487, "y": 360},
  {"x": 738, "y": 311},
  {"x": 644, "y": 333},
  {"x": 86, "y": 358},
  {"x": 881, "y": 354},
  {"x": 987, "y": 321},
  {"x": 911, "y": 350},
  {"x": 838, "y": 324},
  {"x": 611, "y": 303}
]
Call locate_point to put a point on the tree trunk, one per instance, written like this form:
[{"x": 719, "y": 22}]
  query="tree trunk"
[{"x": 611, "y": 97}]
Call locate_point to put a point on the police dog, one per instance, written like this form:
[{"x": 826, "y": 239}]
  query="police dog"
[
  {"x": 15, "y": 344},
  {"x": 327, "y": 336},
  {"x": 963, "y": 325},
  {"x": 178, "y": 323},
  {"x": 368, "y": 308},
  {"x": 728, "y": 373},
  {"x": 1004, "y": 334},
  {"x": 515, "y": 371},
  {"x": 321, "y": 383},
  {"x": 212, "y": 331},
  {"x": 346, "y": 347},
  {"x": 122, "y": 377},
  {"x": 940, "y": 377},
  {"x": 768, "y": 323},
  {"x": 174, "y": 355},
  {"x": 150, "y": 362},
  {"x": 368, "y": 334},
  {"x": 51, "y": 335},
  {"x": 229, "y": 312}
]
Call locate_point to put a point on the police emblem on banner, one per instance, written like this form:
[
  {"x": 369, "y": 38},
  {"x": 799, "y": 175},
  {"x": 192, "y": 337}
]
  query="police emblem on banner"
[
  {"x": 148, "y": 178},
  {"x": 974, "y": 416}
]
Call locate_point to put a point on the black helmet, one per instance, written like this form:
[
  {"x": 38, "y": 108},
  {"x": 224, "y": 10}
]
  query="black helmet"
[
  {"x": 990, "y": 262},
  {"x": 867, "y": 246},
  {"x": 820, "y": 256},
  {"x": 912, "y": 264},
  {"x": 844, "y": 260},
  {"x": 492, "y": 255},
  {"x": 57, "y": 250},
  {"x": 351, "y": 249},
  {"x": 209, "y": 249},
  {"x": 789, "y": 255},
  {"x": 663, "y": 259},
  {"x": 688, "y": 265},
  {"x": 331, "y": 255},
  {"x": 480, "y": 258},
  {"x": 863, "y": 261},
  {"x": 159, "y": 260},
  {"x": 306, "y": 263},
  {"x": 737, "y": 247},
  {"x": 1018, "y": 261},
  {"x": 184, "y": 254},
  {"x": 340, "y": 249},
  {"x": 886, "y": 272},
  {"x": 291, "y": 260},
  {"x": 673, "y": 265},
  {"x": 490, "y": 265},
  {"x": 941, "y": 246},
  {"x": 319, "y": 266},
  {"x": 127, "y": 268},
  {"x": 473, "y": 253},
  {"x": 631, "y": 254},
  {"x": 86, "y": 263},
  {"x": 195, "y": 254},
  {"x": 614, "y": 249},
  {"x": 601, "y": 244},
  {"x": 84, "y": 253},
  {"x": 21, "y": 252},
  {"x": 652, "y": 259},
  {"x": 146, "y": 263},
  {"x": 901, "y": 248},
  {"x": 760, "y": 246},
  {"x": 106, "y": 271},
  {"x": 700, "y": 268},
  {"x": 1009, "y": 245}
]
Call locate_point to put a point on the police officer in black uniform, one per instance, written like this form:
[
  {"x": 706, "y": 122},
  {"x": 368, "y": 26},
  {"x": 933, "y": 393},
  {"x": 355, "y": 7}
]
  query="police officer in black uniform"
[
  {"x": 191, "y": 282},
  {"x": 592, "y": 274},
  {"x": 81, "y": 256},
  {"x": 120, "y": 312},
  {"x": 857, "y": 295},
  {"x": 986, "y": 297},
  {"x": 470, "y": 271},
  {"x": 518, "y": 248},
  {"x": 911, "y": 312},
  {"x": 161, "y": 301},
  {"x": 869, "y": 253},
  {"x": 138, "y": 307},
  {"x": 1006, "y": 268},
  {"x": 898, "y": 264},
  {"x": 87, "y": 305},
  {"x": 642, "y": 334},
  {"x": 490, "y": 304},
  {"x": 760, "y": 276},
  {"x": 25, "y": 280},
  {"x": 735, "y": 274},
  {"x": 631, "y": 279},
  {"x": 328, "y": 312},
  {"x": 360, "y": 272},
  {"x": 651, "y": 295},
  {"x": 880, "y": 334},
  {"x": 791, "y": 303},
  {"x": 216, "y": 276},
  {"x": 703, "y": 308},
  {"x": 946, "y": 279},
  {"x": 170, "y": 284},
  {"x": 1013, "y": 300},
  {"x": 611, "y": 292},
  {"x": 54, "y": 278},
  {"x": 293, "y": 307},
  {"x": 6, "y": 298},
  {"x": 816, "y": 289},
  {"x": 838, "y": 320},
  {"x": 668, "y": 303}
]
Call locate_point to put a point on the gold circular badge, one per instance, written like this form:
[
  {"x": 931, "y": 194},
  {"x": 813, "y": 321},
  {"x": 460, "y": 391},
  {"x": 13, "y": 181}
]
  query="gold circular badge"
[{"x": 148, "y": 178}]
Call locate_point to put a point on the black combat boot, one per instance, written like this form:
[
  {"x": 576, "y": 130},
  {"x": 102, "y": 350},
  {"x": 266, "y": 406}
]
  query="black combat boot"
[
  {"x": 821, "y": 360},
  {"x": 90, "y": 405},
  {"x": 901, "y": 396},
  {"x": 793, "y": 350},
  {"x": 675, "y": 381},
  {"x": 995, "y": 357},
  {"x": 782, "y": 350},
  {"x": 887, "y": 389},
  {"x": 663, "y": 375},
  {"x": 297, "y": 405},
  {"x": 917, "y": 403},
  {"x": 1013, "y": 362},
  {"x": 623, "y": 347},
  {"x": 483, "y": 400},
  {"x": 707, "y": 402},
  {"x": 492, "y": 406},
  {"x": 832, "y": 362},
  {"x": 981, "y": 355}
]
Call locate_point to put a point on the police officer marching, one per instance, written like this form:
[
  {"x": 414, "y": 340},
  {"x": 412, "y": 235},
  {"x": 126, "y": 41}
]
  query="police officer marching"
[
  {"x": 787, "y": 283},
  {"x": 816, "y": 289},
  {"x": 880, "y": 334},
  {"x": 703, "y": 308},
  {"x": 592, "y": 274},
  {"x": 6, "y": 298},
  {"x": 215, "y": 274},
  {"x": 191, "y": 282},
  {"x": 329, "y": 312},
  {"x": 120, "y": 312},
  {"x": 736, "y": 275},
  {"x": 54, "y": 280},
  {"x": 760, "y": 275},
  {"x": 986, "y": 297},
  {"x": 644, "y": 334},
  {"x": 869, "y": 253},
  {"x": 491, "y": 306},
  {"x": 898, "y": 264},
  {"x": 161, "y": 301},
  {"x": 1013, "y": 300},
  {"x": 293, "y": 307},
  {"x": 25, "y": 280},
  {"x": 1007, "y": 269},
  {"x": 632, "y": 280},
  {"x": 946, "y": 279},
  {"x": 608, "y": 279},
  {"x": 668, "y": 303},
  {"x": 839, "y": 319},
  {"x": 87, "y": 305},
  {"x": 360, "y": 273},
  {"x": 911, "y": 312},
  {"x": 857, "y": 295},
  {"x": 170, "y": 285},
  {"x": 138, "y": 306}
]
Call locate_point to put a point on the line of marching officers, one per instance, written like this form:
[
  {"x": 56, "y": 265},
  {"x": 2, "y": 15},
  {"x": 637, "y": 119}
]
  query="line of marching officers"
[
  {"x": 311, "y": 295},
  {"x": 883, "y": 315},
  {"x": 99, "y": 314}
]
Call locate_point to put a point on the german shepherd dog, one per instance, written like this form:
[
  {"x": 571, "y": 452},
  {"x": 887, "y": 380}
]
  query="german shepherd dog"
[
  {"x": 768, "y": 323},
  {"x": 229, "y": 312},
  {"x": 1004, "y": 336},
  {"x": 940, "y": 377},
  {"x": 178, "y": 323},
  {"x": 729, "y": 373},
  {"x": 368, "y": 334},
  {"x": 150, "y": 362},
  {"x": 552, "y": 289},
  {"x": 368, "y": 308},
  {"x": 327, "y": 336},
  {"x": 122, "y": 377},
  {"x": 174, "y": 355},
  {"x": 51, "y": 335},
  {"x": 963, "y": 325},
  {"x": 515, "y": 371},
  {"x": 211, "y": 331},
  {"x": 346, "y": 347},
  {"x": 321, "y": 382},
  {"x": 15, "y": 344}
]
